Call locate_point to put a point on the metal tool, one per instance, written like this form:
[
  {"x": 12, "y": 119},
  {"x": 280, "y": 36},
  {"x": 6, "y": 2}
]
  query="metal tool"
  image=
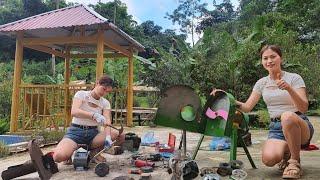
[
  {"x": 81, "y": 159},
  {"x": 120, "y": 130},
  {"x": 104, "y": 149},
  {"x": 102, "y": 169}
]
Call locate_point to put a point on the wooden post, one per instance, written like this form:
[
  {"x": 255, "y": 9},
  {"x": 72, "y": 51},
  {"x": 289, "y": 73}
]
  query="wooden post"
[
  {"x": 67, "y": 103},
  {"x": 16, "y": 82},
  {"x": 100, "y": 50},
  {"x": 130, "y": 91}
]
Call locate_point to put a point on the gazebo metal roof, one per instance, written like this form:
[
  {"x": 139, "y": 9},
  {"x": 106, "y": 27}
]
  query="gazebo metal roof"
[{"x": 66, "y": 21}]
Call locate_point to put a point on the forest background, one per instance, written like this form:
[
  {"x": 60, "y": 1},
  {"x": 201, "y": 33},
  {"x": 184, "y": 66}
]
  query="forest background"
[{"x": 226, "y": 57}]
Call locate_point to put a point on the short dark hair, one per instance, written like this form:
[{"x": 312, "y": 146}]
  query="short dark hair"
[
  {"x": 274, "y": 48},
  {"x": 105, "y": 81}
]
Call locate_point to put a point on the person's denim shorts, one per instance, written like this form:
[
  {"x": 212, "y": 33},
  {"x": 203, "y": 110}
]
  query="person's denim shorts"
[
  {"x": 275, "y": 129},
  {"x": 81, "y": 134}
]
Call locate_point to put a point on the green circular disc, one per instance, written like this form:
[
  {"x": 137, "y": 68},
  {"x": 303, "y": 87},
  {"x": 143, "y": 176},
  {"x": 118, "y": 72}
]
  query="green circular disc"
[{"x": 188, "y": 113}]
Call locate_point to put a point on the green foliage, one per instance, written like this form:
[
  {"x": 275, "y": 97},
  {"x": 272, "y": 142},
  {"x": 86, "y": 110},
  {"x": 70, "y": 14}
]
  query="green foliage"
[
  {"x": 81, "y": 69},
  {"x": 51, "y": 136},
  {"x": 173, "y": 69},
  {"x": 4, "y": 150},
  {"x": 263, "y": 118},
  {"x": 116, "y": 12},
  {"x": 4, "y": 125},
  {"x": 5, "y": 90},
  {"x": 43, "y": 79},
  {"x": 222, "y": 13},
  {"x": 186, "y": 14},
  {"x": 38, "y": 72}
]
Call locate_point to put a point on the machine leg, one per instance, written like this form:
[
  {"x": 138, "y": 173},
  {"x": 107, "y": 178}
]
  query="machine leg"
[
  {"x": 181, "y": 140},
  {"x": 247, "y": 152},
  {"x": 197, "y": 148},
  {"x": 184, "y": 143},
  {"x": 233, "y": 149}
]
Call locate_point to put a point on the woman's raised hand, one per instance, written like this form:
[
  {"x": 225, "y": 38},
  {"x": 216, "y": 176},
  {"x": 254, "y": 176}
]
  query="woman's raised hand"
[{"x": 282, "y": 84}]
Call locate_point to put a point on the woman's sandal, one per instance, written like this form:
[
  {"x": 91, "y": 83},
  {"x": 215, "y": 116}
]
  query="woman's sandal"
[
  {"x": 284, "y": 162},
  {"x": 293, "y": 170}
]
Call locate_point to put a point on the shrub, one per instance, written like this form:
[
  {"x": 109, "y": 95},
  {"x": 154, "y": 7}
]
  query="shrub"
[
  {"x": 5, "y": 98},
  {"x": 4, "y": 150},
  {"x": 263, "y": 118},
  {"x": 52, "y": 136},
  {"x": 4, "y": 125}
]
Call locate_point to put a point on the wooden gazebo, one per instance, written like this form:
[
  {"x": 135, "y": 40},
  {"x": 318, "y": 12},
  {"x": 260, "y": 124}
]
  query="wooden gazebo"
[{"x": 72, "y": 32}]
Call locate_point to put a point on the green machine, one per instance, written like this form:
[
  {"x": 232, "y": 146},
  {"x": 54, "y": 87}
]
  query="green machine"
[{"x": 180, "y": 108}]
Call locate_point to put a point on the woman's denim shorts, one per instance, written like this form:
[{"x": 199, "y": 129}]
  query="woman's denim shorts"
[
  {"x": 275, "y": 129},
  {"x": 81, "y": 134}
]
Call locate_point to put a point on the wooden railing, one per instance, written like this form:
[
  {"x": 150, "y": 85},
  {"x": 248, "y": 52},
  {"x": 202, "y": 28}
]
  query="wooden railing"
[{"x": 48, "y": 106}]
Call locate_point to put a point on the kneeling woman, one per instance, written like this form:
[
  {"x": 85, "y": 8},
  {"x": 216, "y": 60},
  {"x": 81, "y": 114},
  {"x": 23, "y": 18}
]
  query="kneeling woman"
[
  {"x": 285, "y": 96},
  {"x": 89, "y": 109}
]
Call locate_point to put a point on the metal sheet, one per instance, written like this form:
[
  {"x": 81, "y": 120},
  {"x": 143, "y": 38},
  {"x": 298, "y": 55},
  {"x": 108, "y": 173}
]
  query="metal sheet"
[
  {"x": 173, "y": 100},
  {"x": 219, "y": 113}
]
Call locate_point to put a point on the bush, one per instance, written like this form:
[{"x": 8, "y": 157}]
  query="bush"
[
  {"x": 4, "y": 125},
  {"x": 5, "y": 98},
  {"x": 263, "y": 118},
  {"x": 4, "y": 150},
  {"x": 51, "y": 136},
  {"x": 43, "y": 79}
]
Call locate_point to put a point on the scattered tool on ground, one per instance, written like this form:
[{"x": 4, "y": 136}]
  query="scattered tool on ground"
[
  {"x": 140, "y": 163},
  {"x": 146, "y": 169},
  {"x": 81, "y": 158},
  {"x": 101, "y": 169},
  {"x": 134, "y": 171}
]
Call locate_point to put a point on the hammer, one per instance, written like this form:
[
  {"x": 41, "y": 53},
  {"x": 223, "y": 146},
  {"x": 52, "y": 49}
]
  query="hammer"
[
  {"x": 120, "y": 130},
  {"x": 106, "y": 148}
]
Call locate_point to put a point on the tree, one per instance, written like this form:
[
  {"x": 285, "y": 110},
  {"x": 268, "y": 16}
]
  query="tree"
[
  {"x": 34, "y": 7},
  {"x": 222, "y": 13},
  {"x": 116, "y": 11},
  {"x": 150, "y": 29},
  {"x": 186, "y": 15}
]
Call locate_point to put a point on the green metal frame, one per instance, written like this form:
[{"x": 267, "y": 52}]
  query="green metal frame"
[{"x": 171, "y": 113}]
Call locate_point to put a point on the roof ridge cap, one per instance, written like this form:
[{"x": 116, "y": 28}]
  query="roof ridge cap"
[{"x": 97, "y": 15}]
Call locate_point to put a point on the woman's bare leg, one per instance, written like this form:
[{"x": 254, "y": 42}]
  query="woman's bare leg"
[
  {"x": 64, "y": 150},
  {"x": 296, "y": 132},
  {"x": 273, "y": 151}
]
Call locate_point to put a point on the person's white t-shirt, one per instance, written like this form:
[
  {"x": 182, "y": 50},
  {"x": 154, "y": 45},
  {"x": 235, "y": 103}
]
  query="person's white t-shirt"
[
  {"x": 278, "y": 101},
  {"x": 91, "y": 105}
]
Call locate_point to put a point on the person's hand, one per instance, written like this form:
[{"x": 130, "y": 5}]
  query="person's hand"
[
  {"x": 108, "y": 141},
  {"x": 99, "y": 118},
  {"x": 214, "y": 90},
  {"x": 282, "y": 84}
]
